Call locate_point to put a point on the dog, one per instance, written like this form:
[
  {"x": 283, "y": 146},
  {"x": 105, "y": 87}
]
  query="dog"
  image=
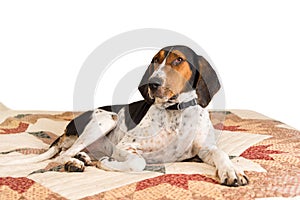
[{"x": 169, "y": 125}]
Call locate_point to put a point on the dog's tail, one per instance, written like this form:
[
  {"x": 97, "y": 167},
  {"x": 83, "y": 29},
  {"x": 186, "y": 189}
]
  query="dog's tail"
[{"x": 51, "y": 152}]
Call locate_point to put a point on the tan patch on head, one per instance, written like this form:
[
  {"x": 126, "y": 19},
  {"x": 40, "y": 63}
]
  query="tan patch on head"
[
  {"x": 157, "y": 59},
  {"x": 178, "y": 73},
  {"x": 183, "y": 68},
  {"x": 177, "y": 53}
]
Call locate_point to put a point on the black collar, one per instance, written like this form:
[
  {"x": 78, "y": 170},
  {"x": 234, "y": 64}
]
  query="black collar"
[{"x": 183, "y": 105}]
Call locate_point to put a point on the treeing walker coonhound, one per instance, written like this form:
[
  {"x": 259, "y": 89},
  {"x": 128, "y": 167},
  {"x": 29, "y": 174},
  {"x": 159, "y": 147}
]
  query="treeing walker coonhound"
[{"x": 169, "y": 125}]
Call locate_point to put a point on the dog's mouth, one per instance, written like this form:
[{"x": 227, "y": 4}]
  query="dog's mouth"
[
  {"x": 163, "y": 95},
  {"x": 173, "y": 98}
]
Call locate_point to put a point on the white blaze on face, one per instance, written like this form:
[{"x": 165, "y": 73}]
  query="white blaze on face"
[{"x": 159, "y": 72}]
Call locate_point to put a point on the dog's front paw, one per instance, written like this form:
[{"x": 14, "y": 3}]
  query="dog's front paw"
[
  {"x": 232, "y": 177},
  {"x": 106, "y": 163},
  {"x": 74, "y": 165}
]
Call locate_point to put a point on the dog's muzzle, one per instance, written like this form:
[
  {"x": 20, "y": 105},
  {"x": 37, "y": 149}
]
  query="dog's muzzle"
[
  {"x": 155, "y": 83},
  {"x": 158, "y": 91}
]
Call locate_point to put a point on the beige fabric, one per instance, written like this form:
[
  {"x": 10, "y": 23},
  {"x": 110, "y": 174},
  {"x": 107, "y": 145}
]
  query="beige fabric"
[
  {"x": 92, "y": 181},
  {"x": 235, "y": 143},
  {"x": 56, "y": 127},
  {"x": 276, "y": 155},
  {"x": 248, "y": 114},
  {"x": 22, "y": 140}
]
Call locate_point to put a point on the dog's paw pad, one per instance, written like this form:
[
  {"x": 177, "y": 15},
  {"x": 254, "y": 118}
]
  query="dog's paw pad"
[
  {"x": 243, "y": 179},
  {"x": 232, "y": 177},
  {"x": 231, "y": 183},
  {"x": 82, "y": 156},
  {"x": 74, "y": 165}
]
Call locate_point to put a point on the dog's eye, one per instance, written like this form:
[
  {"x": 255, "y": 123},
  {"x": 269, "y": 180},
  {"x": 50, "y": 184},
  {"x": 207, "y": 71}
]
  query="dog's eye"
[{"x": 177, "y": 61}]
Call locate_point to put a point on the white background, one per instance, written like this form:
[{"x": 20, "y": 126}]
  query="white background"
[{"x": 254, "y": 45}]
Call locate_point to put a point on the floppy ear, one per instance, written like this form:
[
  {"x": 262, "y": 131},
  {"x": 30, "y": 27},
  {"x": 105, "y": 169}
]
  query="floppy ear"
[
  {"x": 208, "y": 83},
  {"x": 143, "y": 86}
]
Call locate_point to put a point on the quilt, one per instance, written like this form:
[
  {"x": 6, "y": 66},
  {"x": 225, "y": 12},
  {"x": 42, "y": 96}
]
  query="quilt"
[{"x": 268, "y": 150}]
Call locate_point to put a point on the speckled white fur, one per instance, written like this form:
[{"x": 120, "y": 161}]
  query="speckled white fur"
[{"x": 162, "y": 136}]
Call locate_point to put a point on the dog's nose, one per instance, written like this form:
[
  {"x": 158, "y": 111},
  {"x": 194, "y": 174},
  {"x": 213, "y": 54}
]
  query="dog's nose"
[{"x": 154, "y": 83}]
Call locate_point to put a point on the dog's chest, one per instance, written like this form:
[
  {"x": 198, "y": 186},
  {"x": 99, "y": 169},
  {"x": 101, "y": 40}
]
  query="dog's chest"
[{"x": 164, "y": 135}]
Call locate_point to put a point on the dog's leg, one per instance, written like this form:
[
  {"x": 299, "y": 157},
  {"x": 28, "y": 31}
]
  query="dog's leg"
[
  {"x": 102, "y": 122},
  {"x": 229, "y": 175},
  {"x": 133, "y": 161},
  {"x": 209, "y": 152}
]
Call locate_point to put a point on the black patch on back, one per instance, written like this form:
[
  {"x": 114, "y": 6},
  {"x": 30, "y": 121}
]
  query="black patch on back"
[{"x": 134, "y": 112}]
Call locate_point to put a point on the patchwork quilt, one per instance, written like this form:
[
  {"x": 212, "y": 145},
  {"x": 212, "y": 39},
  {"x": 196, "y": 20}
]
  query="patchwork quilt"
[{"x": 268, "y": 151}]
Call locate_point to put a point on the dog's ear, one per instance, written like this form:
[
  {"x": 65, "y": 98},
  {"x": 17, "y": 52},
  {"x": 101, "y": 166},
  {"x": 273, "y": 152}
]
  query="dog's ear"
[
  {"x": 208, "y": 83},
  {"x": 143, "y": 86}
]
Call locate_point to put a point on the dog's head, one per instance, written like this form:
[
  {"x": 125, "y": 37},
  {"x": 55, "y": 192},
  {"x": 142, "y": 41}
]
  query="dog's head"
[{"x": 177, "y": 69}]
